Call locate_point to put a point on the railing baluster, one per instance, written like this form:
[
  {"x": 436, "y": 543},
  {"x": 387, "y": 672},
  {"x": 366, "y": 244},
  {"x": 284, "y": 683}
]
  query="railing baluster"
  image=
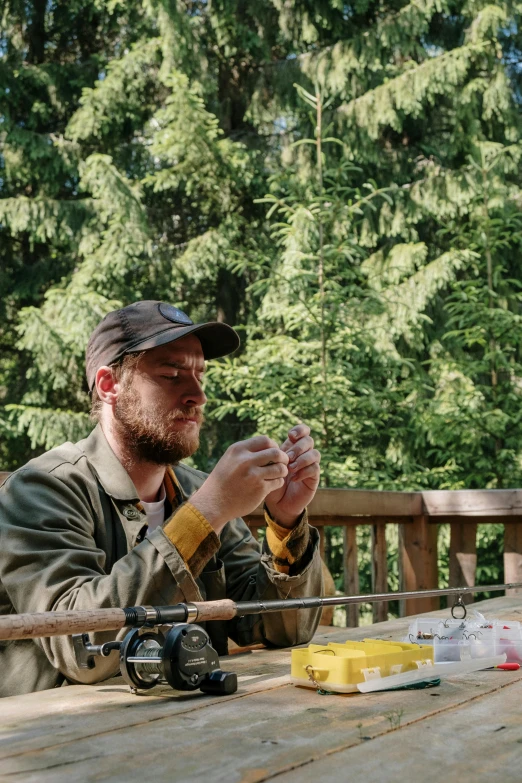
[
  {"x": 351, "y": 573},
  {"x": 379, "y": 571},
  {"x": 463, "y": 556},
  {"x": 418, "y": 564},
  {"x": 513, "y": 554}
]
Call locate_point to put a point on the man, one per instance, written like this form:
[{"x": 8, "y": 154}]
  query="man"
[{"x": 117, "y": 520}]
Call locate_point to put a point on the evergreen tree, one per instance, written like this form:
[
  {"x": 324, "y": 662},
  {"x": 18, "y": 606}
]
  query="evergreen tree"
[
  {"x": 310, "y": 355},
  {"x": 118, "y": 184},
  {"x": 471, "y": 413}
]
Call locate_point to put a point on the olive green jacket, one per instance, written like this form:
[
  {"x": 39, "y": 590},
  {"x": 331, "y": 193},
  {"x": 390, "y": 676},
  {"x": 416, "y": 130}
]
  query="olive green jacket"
[{"x": 72, "y": 537}]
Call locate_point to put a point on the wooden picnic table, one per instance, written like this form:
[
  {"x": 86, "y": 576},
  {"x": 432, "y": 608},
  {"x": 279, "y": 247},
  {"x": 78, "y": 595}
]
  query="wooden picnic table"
[{"x": 470, "y": 726}]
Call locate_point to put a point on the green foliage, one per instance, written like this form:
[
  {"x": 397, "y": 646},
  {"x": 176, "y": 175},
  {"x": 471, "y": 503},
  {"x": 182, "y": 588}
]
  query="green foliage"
[
  {"x": 310, "y": 352},
  {"x": 340, "y": 181},
  {"x": 474, "y": 369}
]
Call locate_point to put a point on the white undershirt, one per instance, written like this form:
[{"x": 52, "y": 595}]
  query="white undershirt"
[{"x": 155, "y": 511}]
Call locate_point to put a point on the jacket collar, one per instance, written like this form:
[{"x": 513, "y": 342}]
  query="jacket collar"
[
  {"x": 110, "y": 472},
  {"x": 112, "y": 475}
]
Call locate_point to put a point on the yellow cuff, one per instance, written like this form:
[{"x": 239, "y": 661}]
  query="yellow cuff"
[
  {"x": 287, "y": 545},
  {"x": 193, "y": 537}
]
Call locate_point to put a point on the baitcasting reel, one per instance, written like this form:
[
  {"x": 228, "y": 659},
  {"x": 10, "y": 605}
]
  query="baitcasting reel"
[{"x": 183, "y": 658}]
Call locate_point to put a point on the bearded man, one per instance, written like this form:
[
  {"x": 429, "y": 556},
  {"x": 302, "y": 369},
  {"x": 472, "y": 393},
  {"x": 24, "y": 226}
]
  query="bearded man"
[{"x": 118, "y": 520}]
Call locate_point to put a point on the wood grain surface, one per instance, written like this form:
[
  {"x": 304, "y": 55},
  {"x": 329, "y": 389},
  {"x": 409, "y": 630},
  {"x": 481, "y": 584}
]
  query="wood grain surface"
[{"x": 469, "y": 727}]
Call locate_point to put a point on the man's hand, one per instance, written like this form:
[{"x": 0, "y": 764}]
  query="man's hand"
[
  {"x": 286, "y": 503},
  {"x": 246, "y": 473}
]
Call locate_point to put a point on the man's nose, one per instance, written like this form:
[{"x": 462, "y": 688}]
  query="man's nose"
[{"x": 194, "y": 394}]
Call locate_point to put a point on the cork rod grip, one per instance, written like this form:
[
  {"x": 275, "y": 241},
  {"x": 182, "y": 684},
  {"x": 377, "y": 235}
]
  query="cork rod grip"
[
  {"x": 31, "y": 626},
  {"x": 215, "y": 610}
]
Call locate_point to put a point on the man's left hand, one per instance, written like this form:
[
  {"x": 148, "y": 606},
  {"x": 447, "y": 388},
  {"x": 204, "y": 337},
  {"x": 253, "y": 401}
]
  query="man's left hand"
[{"x": 285, "y": 505}]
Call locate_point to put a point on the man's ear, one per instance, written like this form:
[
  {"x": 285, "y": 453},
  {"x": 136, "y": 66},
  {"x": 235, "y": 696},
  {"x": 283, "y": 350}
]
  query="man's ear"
[{"x": 107, "y": 386}]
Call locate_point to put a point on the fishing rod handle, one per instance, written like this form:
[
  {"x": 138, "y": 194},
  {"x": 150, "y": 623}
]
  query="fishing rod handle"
[
  {"x": 43, "y": 624},
  {"x": 224, "y": 609},
  {"x": 30, "y": 626}
]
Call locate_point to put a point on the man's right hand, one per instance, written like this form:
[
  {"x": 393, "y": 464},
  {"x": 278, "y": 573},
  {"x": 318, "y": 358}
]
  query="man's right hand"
[{"x": 246, "y": 473}]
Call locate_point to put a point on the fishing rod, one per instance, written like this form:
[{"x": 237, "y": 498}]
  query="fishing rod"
[
  {"x": 184, "y": 657},
  {"x": 45, "y": 624}
]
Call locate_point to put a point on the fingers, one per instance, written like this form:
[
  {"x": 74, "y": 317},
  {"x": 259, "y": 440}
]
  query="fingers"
[
  {"x": 295, "y": 434},
  {"x": 297, "y": 453},
  {"x": 269, "y": 456},
  {"x": 300, "y": 449},
  {"x": 309, "y": 458},
  {"x": 299, "y": 431},
  {"x": 310, "y": 475},
  {"x": 273, "y": 470},
  {"x": 273, "y": 484},
  {"x": 302, "y": 446},
  {"x": 260, "y": 456},
  {"x": 259, "y": 443}
]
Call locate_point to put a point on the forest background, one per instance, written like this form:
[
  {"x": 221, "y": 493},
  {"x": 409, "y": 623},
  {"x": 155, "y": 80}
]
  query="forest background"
[{"x": 338, "y": 180}]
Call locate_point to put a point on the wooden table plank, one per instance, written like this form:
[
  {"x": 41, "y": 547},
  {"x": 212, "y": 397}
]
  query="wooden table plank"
[
  {"x": 104, "y": 733},
  {"x": 268, "y": 733},
  {"x": 65, "y": 714},
  {"x": 480, "y": 742}
]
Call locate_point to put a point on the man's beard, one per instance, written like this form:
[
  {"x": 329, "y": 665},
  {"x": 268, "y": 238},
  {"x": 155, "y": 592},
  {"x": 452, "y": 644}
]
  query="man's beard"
[{"x": 149, "y": 434}]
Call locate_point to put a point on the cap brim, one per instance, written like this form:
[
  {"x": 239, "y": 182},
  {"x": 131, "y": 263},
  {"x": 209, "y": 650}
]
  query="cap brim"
[{"x": 217, "y": 339}]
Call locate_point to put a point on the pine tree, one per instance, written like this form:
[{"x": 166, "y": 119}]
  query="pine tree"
[
  {"x": 48, "y": 54},
  {"x": 310, "y": 355},
  {"x": 119, "y": 184},
  {"x": 471, "y": 414},
  {"x": 413, "y": 94}
]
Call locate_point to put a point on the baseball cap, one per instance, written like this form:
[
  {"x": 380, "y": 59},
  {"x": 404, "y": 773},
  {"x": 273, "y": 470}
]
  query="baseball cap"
[{"x": 147, "y": 324}]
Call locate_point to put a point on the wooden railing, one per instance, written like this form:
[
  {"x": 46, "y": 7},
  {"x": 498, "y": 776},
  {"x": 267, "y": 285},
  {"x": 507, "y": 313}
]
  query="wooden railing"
[{"x": 417, "y": 515}]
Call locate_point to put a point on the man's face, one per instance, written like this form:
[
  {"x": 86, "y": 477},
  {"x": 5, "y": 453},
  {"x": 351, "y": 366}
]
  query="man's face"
[{"x": 158, "y": 411}]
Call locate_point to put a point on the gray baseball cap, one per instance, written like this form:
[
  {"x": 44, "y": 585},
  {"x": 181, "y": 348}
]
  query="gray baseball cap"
[{"x": 147, "y": 324}]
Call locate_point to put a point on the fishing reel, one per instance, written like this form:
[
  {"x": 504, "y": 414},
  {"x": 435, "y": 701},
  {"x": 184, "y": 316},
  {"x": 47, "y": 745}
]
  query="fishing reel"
[{"x": 183, "y": 658}]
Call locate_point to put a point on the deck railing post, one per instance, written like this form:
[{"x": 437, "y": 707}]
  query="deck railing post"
[{"x": 418, "y": 564}]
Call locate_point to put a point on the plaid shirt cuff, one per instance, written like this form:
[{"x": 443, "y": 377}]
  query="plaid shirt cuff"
[
  {"x": 193, "y": 537},
  {"x": 287, "y": 545}
]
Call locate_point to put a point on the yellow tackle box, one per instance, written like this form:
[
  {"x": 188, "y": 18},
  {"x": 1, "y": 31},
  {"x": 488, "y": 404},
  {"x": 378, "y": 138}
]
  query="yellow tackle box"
[{"x": 340, "y": 667}]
